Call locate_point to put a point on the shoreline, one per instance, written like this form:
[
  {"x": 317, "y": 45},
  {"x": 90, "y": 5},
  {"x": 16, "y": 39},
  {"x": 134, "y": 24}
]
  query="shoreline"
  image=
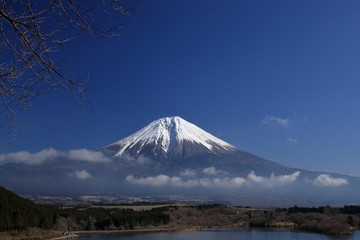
[
  {"x": 64, "y": 237},
  {"x": 196, "y": 228},
  {"x": 76, "y": 234},
  {"x": 145, "y": 230}
]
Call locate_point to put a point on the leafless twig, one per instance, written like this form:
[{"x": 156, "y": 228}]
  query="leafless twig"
[{"x": 31, "y": 32}]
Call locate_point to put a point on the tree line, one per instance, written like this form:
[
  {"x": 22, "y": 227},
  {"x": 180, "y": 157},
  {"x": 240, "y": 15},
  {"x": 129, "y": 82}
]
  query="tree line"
[{"x": 18, "y": 213}]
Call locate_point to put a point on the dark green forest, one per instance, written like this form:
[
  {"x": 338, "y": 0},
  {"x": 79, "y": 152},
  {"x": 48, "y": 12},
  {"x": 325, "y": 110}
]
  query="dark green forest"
[
  {"x": 109, "y": 219},
  {"x": 17, "y": 213}
]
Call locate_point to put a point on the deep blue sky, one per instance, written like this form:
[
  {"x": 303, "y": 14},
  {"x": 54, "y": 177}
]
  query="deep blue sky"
[{"x": 278, "y": 78}]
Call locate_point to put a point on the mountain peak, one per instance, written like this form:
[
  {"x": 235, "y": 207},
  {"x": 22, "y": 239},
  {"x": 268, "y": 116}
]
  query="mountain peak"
[{"x": 165, "y": 133}]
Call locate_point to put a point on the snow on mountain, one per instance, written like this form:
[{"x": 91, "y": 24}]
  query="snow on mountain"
[{"x": 167, "y": 132}]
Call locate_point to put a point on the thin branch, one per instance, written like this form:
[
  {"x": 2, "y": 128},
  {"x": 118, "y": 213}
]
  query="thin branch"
[{"x": 32, "y": 32}]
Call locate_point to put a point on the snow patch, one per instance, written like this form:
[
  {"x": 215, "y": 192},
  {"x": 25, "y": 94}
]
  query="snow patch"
[{"x": 168, "y": 131}]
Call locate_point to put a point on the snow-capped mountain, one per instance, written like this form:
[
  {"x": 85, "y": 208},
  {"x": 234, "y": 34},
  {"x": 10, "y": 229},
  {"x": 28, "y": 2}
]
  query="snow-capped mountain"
[
  {"x": 173, "y": 143},
  {"x": 168, "y": 137},
  {"x": 168, "y": 157}
]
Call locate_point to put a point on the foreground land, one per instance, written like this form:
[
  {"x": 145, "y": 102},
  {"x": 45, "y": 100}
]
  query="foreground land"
[
  {"x": 23, "y": 219},
  {"x": 327, "y": 220}
]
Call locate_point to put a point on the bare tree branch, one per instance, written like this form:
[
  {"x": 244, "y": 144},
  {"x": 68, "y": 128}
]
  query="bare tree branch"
[{"x": 31, "y": 33}]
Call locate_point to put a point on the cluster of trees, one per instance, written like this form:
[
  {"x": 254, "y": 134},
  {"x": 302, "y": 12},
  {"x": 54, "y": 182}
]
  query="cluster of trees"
[
  {"x": 109, "y": 219},
  {"x": 17, "y": 213},
  {"x": 212, "y": 215},
  {"x": 323, "y": 219},
  {"x": 297, "y": 209},
  {"x": 351, "y": 209}
]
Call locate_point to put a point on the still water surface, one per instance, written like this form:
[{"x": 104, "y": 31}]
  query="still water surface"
[{"x": 222, "y": 234}]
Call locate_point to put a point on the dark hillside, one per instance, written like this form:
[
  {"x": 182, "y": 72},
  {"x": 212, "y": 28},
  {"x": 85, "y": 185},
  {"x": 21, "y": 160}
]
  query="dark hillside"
[{"x": 19, "y": 213}]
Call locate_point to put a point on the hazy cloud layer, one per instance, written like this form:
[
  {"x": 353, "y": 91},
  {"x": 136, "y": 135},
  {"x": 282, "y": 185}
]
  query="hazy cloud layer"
[
  {"x": 51, "y": 154},
  {"x": 272, "y": 120},
  {"x": 325, "y": 180},
  {"x": 274, "y": 180},
  {"x": 252, "y": 178},
  {"x": 31, "y": 158},
  {"x": 87, "y": 155},
  {"x": 188, "y": 172},
  {"x": 162, "y": 180},
  {"x": 213, "y": 171},
  {"x": 82, "y": 174}
]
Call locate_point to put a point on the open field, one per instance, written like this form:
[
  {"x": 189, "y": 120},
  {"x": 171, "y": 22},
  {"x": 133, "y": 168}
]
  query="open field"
[{"x": 138, "y": 207}]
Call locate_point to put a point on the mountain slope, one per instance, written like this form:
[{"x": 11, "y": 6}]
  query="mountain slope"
[
  {"x": 168, "y": 137},
  {"x": 175, "y": 144}
]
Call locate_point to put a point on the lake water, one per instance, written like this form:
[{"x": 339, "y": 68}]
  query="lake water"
[{"x": 222, "y": 234}]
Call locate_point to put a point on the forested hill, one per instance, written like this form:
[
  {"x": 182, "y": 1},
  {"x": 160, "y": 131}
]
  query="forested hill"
[{"x": 18, "y": 213}]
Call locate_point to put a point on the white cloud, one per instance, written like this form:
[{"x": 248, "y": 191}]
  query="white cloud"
[
  {"x": 87, "y": 155},
  {"x": 31, "y": 158},
  {"x": 162, "y": 180},
  {"x": 213, "y": 171},
  {"x": 82, "y": 174},
  {"x": 252, "y": 178},
  {"x": 238, "y": 181},
  {"x": 159, "y": 180},
  {"x": 325, "y": 180},
  {"x": 210, "y": 171},
  {"x": 256, "y": 179},
  {"x": 188, "y": 172},
  {"x": 273, "y": 180},
  {"x": 272, "y": 120},
  {"x": 229, "y": 182},
  {"x": 178, "y": 182},
  {"x": 284, "y": 179},
  {"x": 51, "y": 154},
  {"x": 292, "y": 140}
]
